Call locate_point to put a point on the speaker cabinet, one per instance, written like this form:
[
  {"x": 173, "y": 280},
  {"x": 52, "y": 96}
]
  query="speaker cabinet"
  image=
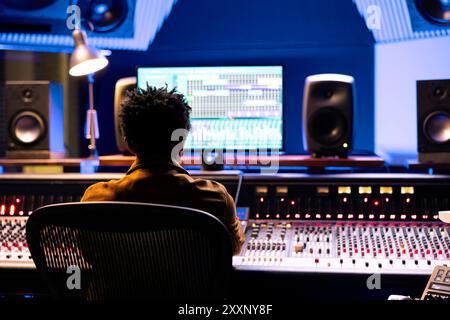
[
  {"x": 34, "y": 119},
  {"x": 328, "y": 101},
  {"x": 120, "y": 93},
  {"x": 433, "y": 121}
]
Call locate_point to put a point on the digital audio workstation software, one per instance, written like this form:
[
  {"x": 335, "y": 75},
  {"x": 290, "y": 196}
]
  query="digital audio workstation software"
[{"x": 233, "y": 108}]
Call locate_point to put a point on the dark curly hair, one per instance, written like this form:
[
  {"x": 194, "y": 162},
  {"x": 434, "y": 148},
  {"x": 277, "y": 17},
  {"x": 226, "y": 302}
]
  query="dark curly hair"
[{"x": 149, "y": 116}]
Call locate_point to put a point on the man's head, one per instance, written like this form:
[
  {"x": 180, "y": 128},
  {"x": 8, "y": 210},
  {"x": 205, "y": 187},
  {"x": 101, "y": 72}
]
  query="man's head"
[{"x": 149, "y": 117}]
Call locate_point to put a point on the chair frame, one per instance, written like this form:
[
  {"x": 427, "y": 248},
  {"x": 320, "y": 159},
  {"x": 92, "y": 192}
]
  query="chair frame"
[{"x": 129, "y": 217}]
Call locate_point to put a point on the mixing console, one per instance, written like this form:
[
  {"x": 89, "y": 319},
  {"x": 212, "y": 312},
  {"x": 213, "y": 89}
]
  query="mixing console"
[
  {"x": 344, "y": 247},
  {"x": 20, "y": 195},
  {"x": 324, "y": 223},
  {"x": 13, "y": 247}
]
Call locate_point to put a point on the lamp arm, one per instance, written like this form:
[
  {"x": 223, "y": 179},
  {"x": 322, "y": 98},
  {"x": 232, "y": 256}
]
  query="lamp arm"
[{"x": 92, "y": 130}]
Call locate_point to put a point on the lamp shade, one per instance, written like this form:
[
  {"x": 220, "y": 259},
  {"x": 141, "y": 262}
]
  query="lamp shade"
[{"x": 85, "y": 59}]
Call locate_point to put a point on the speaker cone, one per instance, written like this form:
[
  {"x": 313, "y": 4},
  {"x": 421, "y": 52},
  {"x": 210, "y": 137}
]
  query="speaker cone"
[
  {"x": 27, "y": 127},
  {"x": 437, "y": 127},
  {"x": 104, "y": 15},
  {"x": 436, "y": 11},
  {"x": 327, "y": 126}
]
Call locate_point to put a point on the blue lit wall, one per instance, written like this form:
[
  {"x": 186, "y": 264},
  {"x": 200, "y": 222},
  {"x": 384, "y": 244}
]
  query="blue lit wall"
[
  {"x": 306, "y": 37},
  {"x": 398, "y": 67}
]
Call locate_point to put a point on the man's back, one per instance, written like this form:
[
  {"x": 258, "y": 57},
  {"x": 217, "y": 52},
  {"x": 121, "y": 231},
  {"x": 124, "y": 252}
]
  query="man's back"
[{"x": 168, "y": 183}]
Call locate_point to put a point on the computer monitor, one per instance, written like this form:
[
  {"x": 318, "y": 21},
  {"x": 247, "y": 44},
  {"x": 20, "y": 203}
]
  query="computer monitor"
[{"x": 233, "y": 108}]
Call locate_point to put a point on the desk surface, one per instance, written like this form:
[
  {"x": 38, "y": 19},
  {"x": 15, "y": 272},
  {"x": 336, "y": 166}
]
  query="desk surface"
[
  {"x": 415, "y": 165},
  {"x": 66, "y": 162},
  {"x": 264, "y": 160}
]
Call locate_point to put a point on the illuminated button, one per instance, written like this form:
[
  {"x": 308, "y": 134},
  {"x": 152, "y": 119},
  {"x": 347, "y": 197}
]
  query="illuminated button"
[
  {"x": 344, "y": 190},
  {"x": 386, "y": 190},
  {"x": 281, "y": 190},
  {"x": 323, "y": 190},
  {"x": 262, "y": 190},
  {"x": 407, "y": 190},
  {"x": 365, "y": 190}
]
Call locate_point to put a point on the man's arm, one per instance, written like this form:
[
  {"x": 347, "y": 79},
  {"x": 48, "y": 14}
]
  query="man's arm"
[{"x": 233, "y": 225}]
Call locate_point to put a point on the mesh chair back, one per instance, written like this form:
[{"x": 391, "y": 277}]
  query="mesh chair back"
[{"x": 120, "y": 250}]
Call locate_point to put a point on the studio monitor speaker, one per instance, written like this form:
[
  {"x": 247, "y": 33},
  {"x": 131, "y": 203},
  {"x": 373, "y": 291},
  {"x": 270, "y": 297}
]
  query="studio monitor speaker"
[
  {"x": 433, "y": 121},
  {"x": 328, "y": 101},
  {"x": 120, "y": 93},
  {"x": 34, "y": 119}
]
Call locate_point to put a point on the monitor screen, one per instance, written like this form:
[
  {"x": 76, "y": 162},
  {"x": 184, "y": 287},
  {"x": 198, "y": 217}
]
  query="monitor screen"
[{"x": 233, "y": 108}]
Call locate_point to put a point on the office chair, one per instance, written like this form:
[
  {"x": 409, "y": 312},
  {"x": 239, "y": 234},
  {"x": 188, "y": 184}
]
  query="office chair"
[{"x": 124, "y": 250}]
